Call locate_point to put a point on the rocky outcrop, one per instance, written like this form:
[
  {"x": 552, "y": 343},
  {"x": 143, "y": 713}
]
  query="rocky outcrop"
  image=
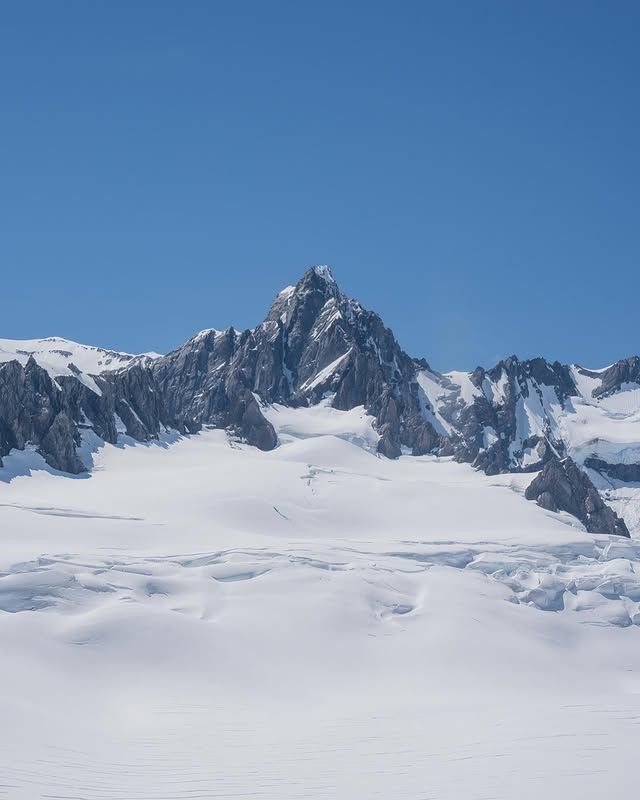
[
  {"x": 614, "y": 377},
  {"x": 487, "y": 427},
  {"x": 627, "y": 473},
  {"x": 331, "y": 344},
  {"x": 32, "y": 411},
  {"x": 563, "y": 486},
  {"x": 52, "y": 413},
  {"x": 248, "y": 422},
  {"x": 314, "y": 344},
  {"x": 59, "y": 443}
]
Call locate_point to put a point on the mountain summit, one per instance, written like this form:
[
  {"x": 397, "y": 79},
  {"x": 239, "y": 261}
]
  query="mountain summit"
[{"x": 316, "y": 344}]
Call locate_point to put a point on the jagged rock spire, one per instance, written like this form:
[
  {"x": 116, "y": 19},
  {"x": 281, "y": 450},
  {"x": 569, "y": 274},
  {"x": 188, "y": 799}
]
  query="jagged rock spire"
[{"x": 316, "y": 343}]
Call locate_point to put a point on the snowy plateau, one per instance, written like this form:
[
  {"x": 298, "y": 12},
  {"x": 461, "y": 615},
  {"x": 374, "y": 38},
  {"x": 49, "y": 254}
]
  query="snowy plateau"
[{"x": 293, "y": 562}]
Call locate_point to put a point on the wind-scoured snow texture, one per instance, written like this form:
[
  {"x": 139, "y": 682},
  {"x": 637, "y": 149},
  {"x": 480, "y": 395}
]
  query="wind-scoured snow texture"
[{"x": 197, "y": 618}]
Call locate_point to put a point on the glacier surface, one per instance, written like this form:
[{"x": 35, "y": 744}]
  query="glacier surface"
[{"x": 196, "y": 618}]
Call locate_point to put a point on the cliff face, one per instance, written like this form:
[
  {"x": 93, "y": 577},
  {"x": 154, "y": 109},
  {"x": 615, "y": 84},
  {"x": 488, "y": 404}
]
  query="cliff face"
[
  {"x": 562, "y": 486},
  {"x": 51, "y": 413},
  {"x": 316, "y": 343}
]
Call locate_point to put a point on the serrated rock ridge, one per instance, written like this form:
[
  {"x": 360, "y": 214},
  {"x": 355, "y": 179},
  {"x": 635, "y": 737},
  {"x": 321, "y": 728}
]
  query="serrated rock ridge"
[{"x": 314, "y": 344}]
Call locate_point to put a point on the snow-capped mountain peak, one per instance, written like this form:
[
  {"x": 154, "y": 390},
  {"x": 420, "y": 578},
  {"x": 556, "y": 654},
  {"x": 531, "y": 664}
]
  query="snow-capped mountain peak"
[{"x": 316, "y": 345}]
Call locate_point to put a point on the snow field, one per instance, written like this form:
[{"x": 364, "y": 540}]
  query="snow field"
[{"x": 198, "y": 619}]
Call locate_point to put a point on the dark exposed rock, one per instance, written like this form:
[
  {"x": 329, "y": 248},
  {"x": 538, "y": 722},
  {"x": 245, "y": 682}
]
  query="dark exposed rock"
[
  {"x": 59, "y": 444},
  {"x": 314, "y": 341},
  {"x": 520, "y": 382},
  {"x": 315, "y": 344},
  {"x": 541, "y": 372},
  {"x": 627, "y": 473},
  {"x": 247, "y": 419},
  {"x": 50, "y": 414},
  {"x": 32, "y": 412},
  {"x": 546, "y": 500},
  {"x": 562, "y": 486},
  {"x": 612, "y": 378}
]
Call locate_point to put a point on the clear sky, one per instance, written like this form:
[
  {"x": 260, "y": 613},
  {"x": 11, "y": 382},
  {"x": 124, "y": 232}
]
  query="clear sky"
[{"x": 471, "y": 170}]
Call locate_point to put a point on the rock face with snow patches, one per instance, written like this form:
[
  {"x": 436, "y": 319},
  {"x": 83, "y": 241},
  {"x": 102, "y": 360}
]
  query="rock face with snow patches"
[
  {"x": 51, "y": 413},
  {"x": 316, "y": 345},
  {"x": 561, "y": 486},
  {"x": 314, "y": 341}
]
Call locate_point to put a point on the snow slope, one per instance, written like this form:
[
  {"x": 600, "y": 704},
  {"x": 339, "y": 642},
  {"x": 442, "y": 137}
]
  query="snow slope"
[
  {"x": 604, "y": 427},
  {"x": 607, "y": 427},
  {"x": 64, "y": 357},
  {"x": 200, "y": 619}
]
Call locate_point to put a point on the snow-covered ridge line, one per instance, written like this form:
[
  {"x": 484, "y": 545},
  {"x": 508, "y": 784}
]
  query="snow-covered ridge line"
[
  {"x": 317, "y": 344},
  {"x": 55, "y": 353}
]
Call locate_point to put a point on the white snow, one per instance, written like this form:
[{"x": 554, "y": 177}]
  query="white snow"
[
  {"x": 584, "y": 383},
  {"x": 208, "y": 332},
  {"x": 321, "y": 420},
  {"x": 324, "y": 271},
  {"x": 286, "y": 293},
  {"x": 324, "y": 374},
  {"x": 434, "y": 393},
  {"x": 536, "y": 414},
  {"x": 494, "y": 391},
  {"x": 328, "y": 316},
  {"x": 199, "y": 619},
  {"x": 607, "y": 427},
  {"x": 468, "y": 390},
  {"x": 489, "y": 436},
  {"x": 65, "y": 357}
]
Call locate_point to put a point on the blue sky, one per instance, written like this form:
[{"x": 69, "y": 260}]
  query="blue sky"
[{"x": 471, "y": 170}]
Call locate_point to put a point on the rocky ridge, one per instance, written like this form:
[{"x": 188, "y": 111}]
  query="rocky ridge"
[{"x": 316, "y": 343}]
